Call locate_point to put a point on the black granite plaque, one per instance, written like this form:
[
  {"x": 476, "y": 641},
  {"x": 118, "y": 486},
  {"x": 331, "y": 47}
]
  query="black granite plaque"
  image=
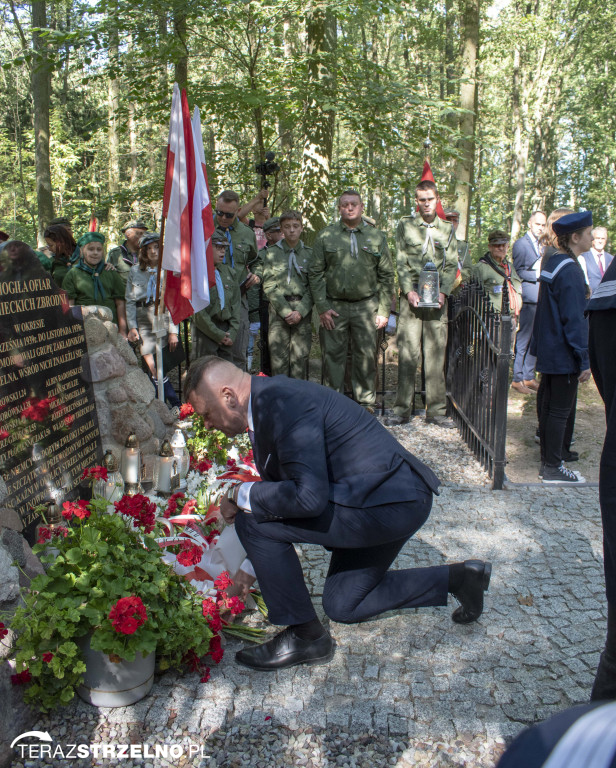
[{"x": 48, "y": 424}]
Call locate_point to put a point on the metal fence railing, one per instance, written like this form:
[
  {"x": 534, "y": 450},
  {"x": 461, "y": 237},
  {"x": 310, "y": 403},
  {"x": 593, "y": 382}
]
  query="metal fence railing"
[{"x": 478, "y": 354}]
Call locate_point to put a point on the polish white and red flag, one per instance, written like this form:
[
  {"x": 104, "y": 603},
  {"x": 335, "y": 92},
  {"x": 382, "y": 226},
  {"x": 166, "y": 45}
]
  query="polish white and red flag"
[{"x": 187, "y": 210}]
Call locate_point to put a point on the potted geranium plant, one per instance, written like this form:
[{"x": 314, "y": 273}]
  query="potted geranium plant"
[{"x": 107, "y": 590}]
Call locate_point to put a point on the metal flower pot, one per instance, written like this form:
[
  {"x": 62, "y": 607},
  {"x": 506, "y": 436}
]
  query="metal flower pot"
[{"x": 108, "y": 683}]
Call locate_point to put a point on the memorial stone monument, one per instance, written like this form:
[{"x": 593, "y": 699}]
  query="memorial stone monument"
[{"x": 48, "y": 421}]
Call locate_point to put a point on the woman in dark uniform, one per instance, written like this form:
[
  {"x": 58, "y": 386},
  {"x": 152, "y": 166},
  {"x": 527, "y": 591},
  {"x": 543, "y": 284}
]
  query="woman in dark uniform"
[{"x": 560, "y": 340}]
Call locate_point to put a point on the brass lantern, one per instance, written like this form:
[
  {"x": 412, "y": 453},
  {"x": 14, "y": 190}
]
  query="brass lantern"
[
  {"x": 429, "y": 287},
  {"x": 132, "y": 466},
  {"x": 112, "y": 488},
  {"x": 166, "y": 470}
]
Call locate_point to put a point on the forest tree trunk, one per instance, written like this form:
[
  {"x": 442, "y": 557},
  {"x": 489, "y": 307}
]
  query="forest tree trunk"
[{"x": 113, "y": 108}]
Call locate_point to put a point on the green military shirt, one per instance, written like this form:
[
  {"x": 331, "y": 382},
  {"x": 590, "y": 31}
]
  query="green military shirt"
[
  {"x": 492, "y": 276},
  {"x": 79, "y": 287},
  {"x": 281, "y": 278},
  {"x": 204, "y": 320},
  {"x": 418, "y": 242},
  {"x": 59, "y": 269},
  {"x": 123, "y": 260},
  {"x": 242, "y": 253},
  {"x": 338, "y": 274}
]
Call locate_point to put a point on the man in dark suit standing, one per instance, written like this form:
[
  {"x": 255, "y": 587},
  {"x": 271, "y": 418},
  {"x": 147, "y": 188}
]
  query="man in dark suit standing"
[
  {"x": 331, "y": 475},
  {"x": 597, "y": 260},
  {"x": 526, "y": 257}
]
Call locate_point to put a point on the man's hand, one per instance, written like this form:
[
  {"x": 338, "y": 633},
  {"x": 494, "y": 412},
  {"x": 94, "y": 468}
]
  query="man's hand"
[
  {"x": 441, "y": 299},
  {"x": 228, "y": 509},
  {"x": 380, "y": 321},
  {"x": 173, "y": 341},
  {"x": 133, "y": 335},
  {"x": 327, "y": 319},
  {"x": 584, "y": 376},
  {"x": 226, "y": 341},
  {"x": 110, "y": 268},
  {"x": 293, "y": 318},
  {"x": 413, "y": 298},
  {"x": 251, "y": 280}
]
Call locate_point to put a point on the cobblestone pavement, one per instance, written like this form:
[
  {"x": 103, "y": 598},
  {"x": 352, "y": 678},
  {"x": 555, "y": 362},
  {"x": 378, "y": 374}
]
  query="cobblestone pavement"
[{"x": 410, "y": 688}]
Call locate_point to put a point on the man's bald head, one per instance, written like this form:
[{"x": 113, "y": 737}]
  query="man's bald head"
[{"x": 219, "y": 392}]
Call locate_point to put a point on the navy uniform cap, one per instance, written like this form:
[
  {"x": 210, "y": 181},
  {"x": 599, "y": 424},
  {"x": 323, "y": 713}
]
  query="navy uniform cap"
[{"x": 572, "y": 222}]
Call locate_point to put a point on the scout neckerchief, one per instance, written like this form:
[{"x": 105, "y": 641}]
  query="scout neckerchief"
[
  {"x": 293, "y": 259},
  {"x": 227, "y": 234},
  {"x": 150, "y": 293},
  {"x": 504, "y": 269},
  {"x": 220, "y": 288},
  {"x": 95, "y": 273}
]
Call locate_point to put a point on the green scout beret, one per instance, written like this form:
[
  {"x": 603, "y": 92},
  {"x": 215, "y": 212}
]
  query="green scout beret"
[
  {"x": 219, "y": 239},
  {"x": 135, "y": 224},
  {"x": 62, "y": 221},
  {"x": 273, "y": 223},
  {"x": 91, "y": 237},
  {"x": 497, "y": 237},
  {"x": 149, "y": 237}
]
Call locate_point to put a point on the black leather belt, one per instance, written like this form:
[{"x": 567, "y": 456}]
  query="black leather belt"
[
  {"x": 144, "y": 303},
  {"x": 294, "y": 297},
  {"x": 354, "y": 301}
]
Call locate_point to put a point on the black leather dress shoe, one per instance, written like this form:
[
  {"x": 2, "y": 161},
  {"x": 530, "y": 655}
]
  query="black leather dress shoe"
[
  {"x": 287, "y": 650},
  {"x": 397, "y": 421},
  {"x": 470, "y": 594}
]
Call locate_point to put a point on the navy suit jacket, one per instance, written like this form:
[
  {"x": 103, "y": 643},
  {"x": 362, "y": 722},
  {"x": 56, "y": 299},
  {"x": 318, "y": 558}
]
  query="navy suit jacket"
[
  {"x": 592, "y": 270},
  {"x": 314, "y": 446},
  {"x": 524, "y": 256}
]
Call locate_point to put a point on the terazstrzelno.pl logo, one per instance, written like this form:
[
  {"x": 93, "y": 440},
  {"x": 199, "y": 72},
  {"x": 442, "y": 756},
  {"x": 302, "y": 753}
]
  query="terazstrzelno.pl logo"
[{"x": 38, "y": 745}]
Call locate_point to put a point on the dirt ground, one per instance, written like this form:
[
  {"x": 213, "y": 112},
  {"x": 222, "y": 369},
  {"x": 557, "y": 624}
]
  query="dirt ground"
[{"x": 523, "y": 452}]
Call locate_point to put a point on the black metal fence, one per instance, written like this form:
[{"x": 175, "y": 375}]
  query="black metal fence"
[{"x": 478, "y": 354}]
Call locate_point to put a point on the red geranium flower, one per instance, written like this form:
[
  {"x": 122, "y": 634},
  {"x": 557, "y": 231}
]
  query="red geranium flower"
[
  {"x": 172, "y": 504},
  {"x": 140, "y": 508},
  {"x": 46, "y": 533},
  {"x": 205, "y": 676},
  {"x": 47, "y": 657},
  {"x": 35, "y": 409},
  {"x": 190, "y": 554},
  {"x": 128, "y": 614},
  {"x": 3, "y": 631},
  {"x": 223, "y": 581},
  {"x": 96, "y": 473},
  {"x": 215, "y": 650},
  {"x": 186, "y": 410},
  {"x": 190, "y": 507},
  {"x": 235, "y": 605},
  {"x": 203, "y": 465},
  {"x": 78, "y": 509},
  {"x": 21, "y": 678},
  {"x": 232, "y": 464}
]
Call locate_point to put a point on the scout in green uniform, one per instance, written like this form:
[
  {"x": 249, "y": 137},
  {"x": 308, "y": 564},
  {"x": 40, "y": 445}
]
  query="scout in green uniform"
[
  {"x": 493, "y": 269},
  {"x": 243, "y": 258},
  {"x": 423, "y": 237},
  {"x": 285, "y": 284},
  {"x": 61, "y": 243},
  {"x": 89, "y": 282},
  {"x": 352, "y": 282},
  {"x": 125, "y": 256},
  {"x": 273, "y": 234},
  {"x": 215, "y": 328}
]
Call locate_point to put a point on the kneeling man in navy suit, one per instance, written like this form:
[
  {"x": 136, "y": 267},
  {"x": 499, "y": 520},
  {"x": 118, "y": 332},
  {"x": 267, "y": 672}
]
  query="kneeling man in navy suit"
[{"x": 331, "y": 475}]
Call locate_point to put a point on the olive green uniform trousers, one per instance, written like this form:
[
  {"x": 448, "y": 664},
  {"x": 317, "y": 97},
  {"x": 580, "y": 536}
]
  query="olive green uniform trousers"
[
  {"x": 421, "y": 329},
  {"x": 356, "y": 321},
  {"x": 289, "y": 345}
]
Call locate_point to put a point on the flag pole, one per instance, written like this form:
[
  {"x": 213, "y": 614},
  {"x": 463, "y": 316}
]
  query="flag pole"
[{"x": 158, "y": 315}]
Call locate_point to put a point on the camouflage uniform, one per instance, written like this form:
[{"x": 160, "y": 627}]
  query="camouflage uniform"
[
  {"x": 212, "y": 323},
  {"x": 123, "y": 260},
  {"x": 417, "y": 242},
  {"x": 357, "y": 282},
  {"x": 287, "y": 290},
  {"x": 242, "y": 255}
]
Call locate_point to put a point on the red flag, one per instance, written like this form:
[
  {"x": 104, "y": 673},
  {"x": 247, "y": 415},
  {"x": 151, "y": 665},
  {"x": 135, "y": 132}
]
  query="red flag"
[
  {"x": 428, "y": 176},
  {"x": 185, "y": 206}
]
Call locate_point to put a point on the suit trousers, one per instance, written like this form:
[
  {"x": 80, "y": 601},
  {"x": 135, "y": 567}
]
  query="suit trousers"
[
  {"x": 363, "y": 544},
  {"x": 602, "y": 350},
  {"x": 356, "y": 322},
  {"x": 421, "y": 329},
  {"x": 289, "y": 345},
  {"x": 524, "y": 363}
]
